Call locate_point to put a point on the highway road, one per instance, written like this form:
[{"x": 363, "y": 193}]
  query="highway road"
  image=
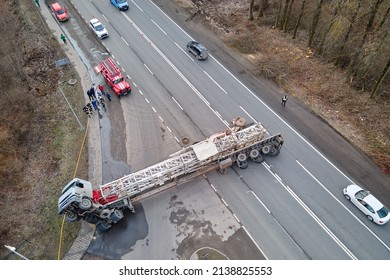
[{"x": 289, "y": 207}]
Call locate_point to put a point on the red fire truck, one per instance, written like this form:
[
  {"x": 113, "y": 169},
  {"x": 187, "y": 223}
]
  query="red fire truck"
[{"x": 113, "y": 76}]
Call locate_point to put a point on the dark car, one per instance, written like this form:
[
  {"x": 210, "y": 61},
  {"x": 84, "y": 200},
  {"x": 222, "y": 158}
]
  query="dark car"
[{"x": 199, "y": 50}]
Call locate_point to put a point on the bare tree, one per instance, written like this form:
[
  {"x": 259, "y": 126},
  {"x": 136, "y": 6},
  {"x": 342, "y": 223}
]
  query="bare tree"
[
  {"x": 384, "y": 17},
  {"x": 251, "y": 4},
  {"x": 283, "y": 15},
  {"x": 289, "y": 3},
  {"x": 262, "y": 7},
  {"x": 380, "y": 80},
  {"x": 335, "y": 13},
  {"x": 299, "y": 18},
  {"x": 375, "y": 55},
  {"x": 278, "y": 17},
  {"x": 347, "y": 34},
  {"x": 314, "y": 23},
  {"x": 374, "y": 9}
]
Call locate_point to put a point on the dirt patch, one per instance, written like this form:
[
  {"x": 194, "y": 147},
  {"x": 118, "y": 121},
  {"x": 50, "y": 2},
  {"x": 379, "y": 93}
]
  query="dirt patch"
[{"x": 290, "y": 64}]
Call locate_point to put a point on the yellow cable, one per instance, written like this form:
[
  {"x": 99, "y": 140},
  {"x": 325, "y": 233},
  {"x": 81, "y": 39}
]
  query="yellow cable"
[{"x": 74, "y": 175}]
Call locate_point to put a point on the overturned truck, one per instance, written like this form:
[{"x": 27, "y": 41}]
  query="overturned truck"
[{"x": 104, "y": 205}]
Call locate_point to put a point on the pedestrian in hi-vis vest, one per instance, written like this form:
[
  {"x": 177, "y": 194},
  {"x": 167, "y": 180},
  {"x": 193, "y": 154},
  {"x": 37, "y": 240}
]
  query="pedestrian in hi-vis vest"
[{"x": 284, "y": 100}]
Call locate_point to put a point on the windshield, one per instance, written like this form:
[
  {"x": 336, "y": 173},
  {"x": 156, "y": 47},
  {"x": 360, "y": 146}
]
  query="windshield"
[
  {"x": 121, "y": 1},
  {"x": 383, "y": 212},
  {"x": 99, "y": 27},
  {"x": 60, "y": 12},
  {"x": 118, "y": 81}
]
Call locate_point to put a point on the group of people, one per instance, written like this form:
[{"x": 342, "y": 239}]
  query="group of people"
[{"x": 97, "y": 100}]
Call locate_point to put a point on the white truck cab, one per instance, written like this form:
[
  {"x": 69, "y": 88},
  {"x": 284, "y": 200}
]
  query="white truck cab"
[{"x": 77, "y": 190}]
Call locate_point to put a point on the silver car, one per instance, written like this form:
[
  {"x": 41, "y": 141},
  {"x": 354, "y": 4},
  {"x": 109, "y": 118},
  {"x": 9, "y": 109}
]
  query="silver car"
[
  {"x": 98, "y": 28},
  {"x": 374, "y": 210}
]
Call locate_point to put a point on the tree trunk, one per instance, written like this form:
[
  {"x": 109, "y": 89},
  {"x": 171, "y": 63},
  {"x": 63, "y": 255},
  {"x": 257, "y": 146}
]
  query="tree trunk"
[
  {"x": 287, "y": 17},
  {"x": 314, "y": 23},
  {"x": 262, "y": 7},
  {"x": 382, "y": 76},
  {"x": 251, "y": 3},
  {"x": 336, "y": 11},
  {"x": 384, "y": 17},
  {"x": 299, "y": 19},
  {"x": 346, "y": 36},
  {"x": 278, "y": 19},
  {"x": 283, "y": 16}
]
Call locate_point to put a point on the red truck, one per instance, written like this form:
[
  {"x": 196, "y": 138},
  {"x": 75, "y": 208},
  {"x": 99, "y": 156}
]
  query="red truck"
[{"x": 113, "y": 76}]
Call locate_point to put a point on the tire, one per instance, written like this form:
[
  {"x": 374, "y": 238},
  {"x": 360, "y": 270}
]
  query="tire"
[
  {"x": 254, "y": 154},
  {"x": 274, "y": 152},
  {"x": 242, "y": 164},
  {"x": 103, "y": 227},
  {"x": 347, "y": 197},
  {"x": 198, "y": 57},
  {"x": 259, "y": 159},
  {"x": 371, "y": 219},
  {"x": 276, "y": 141},
  {"x": 117, "y": 215},
  {"x": 86, "y": 203},
  {"x": 70, "y": 217},
  {"x": 105, "y": 213},
  {"x": 242, "y": 157},
  {"x": 266, "y": 149}
]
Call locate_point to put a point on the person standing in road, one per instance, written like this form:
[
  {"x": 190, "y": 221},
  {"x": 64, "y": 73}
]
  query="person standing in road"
[
  {"x": 63, "y": 38},
  {"x": 92, "y": 91},
  {"x": 108, "y": 95},
  {"x": 101, "y": 101},
  {"x": 86, "y": 110},
  {"x": 89, "y": 95},
  {"x": 94, "y": 104},
  {"x": 284, "y": 100},
  {"x": 101, "y": 89},
  {"x": 90, "y": 108}
]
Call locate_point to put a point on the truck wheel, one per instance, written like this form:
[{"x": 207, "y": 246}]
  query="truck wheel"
[
  {"x": 105, "y": 213},
  {"x": 70, "y": 217},
  {"x": 266, "y": 149},
  {"x": 242, "y": 164},
  {"x": 254, "y": 154},
  {"x": 86, "y": 203},
  {"x": 103, "y": 227},
  {"x": 259, "y": 159},
  {"x": 274, "y": 151},
  {"x": 276, "y": 141},
  {"x": 241, "y": 157},
  {"x": 117, "y": 215},
  {"x": 241, "y": 161}
]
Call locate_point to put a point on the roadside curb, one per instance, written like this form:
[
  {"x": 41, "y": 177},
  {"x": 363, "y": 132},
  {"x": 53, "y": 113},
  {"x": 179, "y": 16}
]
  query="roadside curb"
[{"x": 87, "y": 231}]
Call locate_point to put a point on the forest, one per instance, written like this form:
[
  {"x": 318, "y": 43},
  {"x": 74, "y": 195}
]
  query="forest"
[{"x": 352, "y": 34}]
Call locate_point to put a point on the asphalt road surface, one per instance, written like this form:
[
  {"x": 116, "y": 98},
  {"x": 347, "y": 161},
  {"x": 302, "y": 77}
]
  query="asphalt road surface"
[{"x": 289, "y": 207}]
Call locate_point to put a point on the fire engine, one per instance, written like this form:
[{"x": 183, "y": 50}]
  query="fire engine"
[
  {"x": 113, "y": 76},
  {"x": 104, "y": 205}
]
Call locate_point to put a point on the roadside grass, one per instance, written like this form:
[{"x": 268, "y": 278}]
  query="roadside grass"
[{"x": 40, "y": 137}]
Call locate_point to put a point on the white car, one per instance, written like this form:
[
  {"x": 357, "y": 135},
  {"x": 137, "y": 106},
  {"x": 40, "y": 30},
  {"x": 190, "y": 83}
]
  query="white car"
[
  {"x": 98, "y": 28},
  {"x": 374, "y": 210}
]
